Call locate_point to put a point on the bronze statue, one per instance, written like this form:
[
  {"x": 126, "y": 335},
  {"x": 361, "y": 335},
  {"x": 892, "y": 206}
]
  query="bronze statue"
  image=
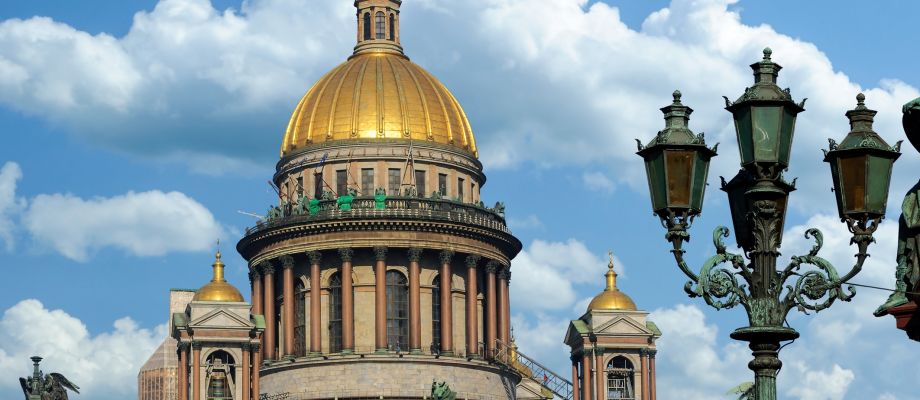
[
  {"x": 441, "y": 391},
  {"x": 52, "y": 386},
  {"x": 907, "y": 273}
]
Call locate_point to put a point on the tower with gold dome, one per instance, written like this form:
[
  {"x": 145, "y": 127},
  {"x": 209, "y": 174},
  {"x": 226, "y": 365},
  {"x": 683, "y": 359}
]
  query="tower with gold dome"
[
  {"x": 613, "y": 347},
  {"x": 380, "y": 270},
  {"x": 217, "y": 338}
]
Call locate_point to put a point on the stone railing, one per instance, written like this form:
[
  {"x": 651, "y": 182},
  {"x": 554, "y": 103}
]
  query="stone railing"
[{"x": 369, "y": 207}]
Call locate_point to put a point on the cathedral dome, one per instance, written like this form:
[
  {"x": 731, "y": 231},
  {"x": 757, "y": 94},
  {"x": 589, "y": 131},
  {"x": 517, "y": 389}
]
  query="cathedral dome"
[
  {"x": 611, "y": 298},
  {"x": 218, "y": 289},
  {"x": 378, "y": 94}
]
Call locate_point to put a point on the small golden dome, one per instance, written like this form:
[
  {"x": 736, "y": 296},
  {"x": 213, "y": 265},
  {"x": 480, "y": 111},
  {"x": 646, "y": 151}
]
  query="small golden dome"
[
  {"x": 378, "y": 95},
  {"x": 218, "y": 289},
  {"x": 611, "y": 298}
]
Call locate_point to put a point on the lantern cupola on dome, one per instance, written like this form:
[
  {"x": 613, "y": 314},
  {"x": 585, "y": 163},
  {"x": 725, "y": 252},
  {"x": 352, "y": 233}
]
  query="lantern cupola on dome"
[
  {"x": 611, "y": 298},
  {"x": 218, "y": 289}
]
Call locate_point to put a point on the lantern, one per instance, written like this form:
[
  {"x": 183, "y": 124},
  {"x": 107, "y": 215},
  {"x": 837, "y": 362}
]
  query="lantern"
[
  {"x": 676, "y": 164},
  {"x": 765, "y": 121},
  {"x": 743, "y": 190},
  {"x": 861, "y": 167}
]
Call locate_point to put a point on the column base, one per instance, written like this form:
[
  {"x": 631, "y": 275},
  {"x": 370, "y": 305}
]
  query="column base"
[
  {"x": 314, "y": 354},
  {"x": 415, "y": 351},
  {"x": 348, "y": 351},
  {"x": 447, "y": 353},
  {"x": 382, "y": 350},
  {"x": 288, "y": 357}
]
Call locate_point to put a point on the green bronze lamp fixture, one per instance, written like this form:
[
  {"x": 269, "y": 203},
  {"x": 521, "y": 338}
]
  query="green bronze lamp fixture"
[{"x": 677, "y": 165}]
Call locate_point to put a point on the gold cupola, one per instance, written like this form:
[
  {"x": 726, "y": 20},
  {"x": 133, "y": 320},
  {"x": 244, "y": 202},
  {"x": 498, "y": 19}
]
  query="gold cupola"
[
  {"x": 378, "y": 94},
  {"x": 611, "y": 298},
  {"x": 218, "y": 289}
]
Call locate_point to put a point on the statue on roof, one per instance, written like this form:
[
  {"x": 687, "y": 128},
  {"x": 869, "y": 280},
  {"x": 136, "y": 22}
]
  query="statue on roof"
[
  {"x": 907, "y": 272},
  {"x": 51, "y": 386},
  {"x": 441, "y": 391}
]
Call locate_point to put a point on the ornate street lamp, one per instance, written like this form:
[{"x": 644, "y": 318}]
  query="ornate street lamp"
[{"x": 764, "y": 119}]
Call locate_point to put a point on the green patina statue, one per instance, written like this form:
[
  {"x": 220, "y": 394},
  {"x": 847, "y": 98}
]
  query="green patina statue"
[
  {"x": 907, "y": 273},
  {"x": 51, "y": 386},
  {"x": 441, "y": 391},
  {"x": 380, "y": 198}
]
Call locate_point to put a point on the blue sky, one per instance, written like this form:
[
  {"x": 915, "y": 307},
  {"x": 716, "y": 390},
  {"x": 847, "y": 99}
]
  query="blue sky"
[{"x": 139, "y": 129}]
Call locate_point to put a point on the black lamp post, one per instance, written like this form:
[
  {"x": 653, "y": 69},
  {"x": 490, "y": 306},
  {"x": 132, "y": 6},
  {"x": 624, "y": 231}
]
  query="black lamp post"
[{"x": 764, "y": 119}]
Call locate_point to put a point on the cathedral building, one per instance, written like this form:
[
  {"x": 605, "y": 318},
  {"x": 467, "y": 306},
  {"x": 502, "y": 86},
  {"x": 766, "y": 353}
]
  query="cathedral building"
[
  {"x": 613, "y": 348},
  {"x": 380, "y": 270}
]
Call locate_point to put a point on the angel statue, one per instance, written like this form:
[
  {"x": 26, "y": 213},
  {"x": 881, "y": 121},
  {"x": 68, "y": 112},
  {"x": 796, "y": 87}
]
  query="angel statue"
[
  {"x": 441, "y": 391},
  {"x": 907, "y": 272},
  {"x": 51, "y": 386}
]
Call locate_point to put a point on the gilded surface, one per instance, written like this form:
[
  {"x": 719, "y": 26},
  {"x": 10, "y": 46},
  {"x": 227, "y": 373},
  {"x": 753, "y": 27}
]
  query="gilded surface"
[
  {"x": 218, "y": 289},
  {"x": 378, "y": 95},
  {"x": 611, "y": 298}
]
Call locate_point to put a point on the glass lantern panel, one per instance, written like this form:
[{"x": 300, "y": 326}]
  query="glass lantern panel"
[
  {"x": 654, "y": 169},
  {"x": 679, "y": 167},
  {"x": 877, "y": 183},
  {"x": 743, "y": 125},
  {"x": 788, "y": 131},
  {"x": 766, "y": 133},
  {"x": 853, "y": 183},
  {"x": 701, "y": 171}
]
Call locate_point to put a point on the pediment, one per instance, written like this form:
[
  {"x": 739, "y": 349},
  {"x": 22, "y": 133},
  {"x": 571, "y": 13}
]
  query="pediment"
[
  {"x": 220, "y": 318},
  {"x": 623, "y": 326}
]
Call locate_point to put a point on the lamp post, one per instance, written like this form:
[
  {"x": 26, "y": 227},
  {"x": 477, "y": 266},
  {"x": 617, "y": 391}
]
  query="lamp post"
[{"x": 677, "y": 165}]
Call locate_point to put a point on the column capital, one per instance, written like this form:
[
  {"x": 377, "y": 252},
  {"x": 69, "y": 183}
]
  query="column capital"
[
  {"x": 576, "y": 358},
  {"x": 445, "y": 256},
  {"x": 254, "y": 347},
  {"x": 492, "y": 266},
  {"x": 346, "y": 253},
  {"x": 196, "y": 345},
  {"x": 184, "y": 346},
  {"x": 315, "y": 257},
  {"x": 380, "y": 253},
  {"x": 505, "y": 273},
  {"x": 643, "y": 352},
  {"x": 254, "y": 274},
  {"x": 652, "y": 352},
  {"x": 415, "y": 253},
  {"x": 267, "y": 267},
  {"x": 287, "y": 262},
  {"x": 472, "y": 260}
]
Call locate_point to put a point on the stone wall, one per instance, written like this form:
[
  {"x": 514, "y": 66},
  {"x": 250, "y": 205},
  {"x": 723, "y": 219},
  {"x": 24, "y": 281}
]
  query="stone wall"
[{"x": 388, "y": 376}]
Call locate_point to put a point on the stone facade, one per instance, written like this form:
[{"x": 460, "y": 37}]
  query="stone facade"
[{"x": 406, "y": 377}]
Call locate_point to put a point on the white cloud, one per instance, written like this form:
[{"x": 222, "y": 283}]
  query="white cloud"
[
  {"x": 554, "y": 268},
  {"x": 10, "y": 205},
  {"x": 822, "y": 385},
  {"x": 149, "y": 223},
  {"x": 529, "y": 222},
  {"x": 104, "y": 365},
  {"x": 597, "y": 181},
  {"x": 189, "y": 79}
]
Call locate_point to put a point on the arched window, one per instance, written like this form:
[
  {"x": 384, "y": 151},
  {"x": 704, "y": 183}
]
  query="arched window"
[
  {"x": 335, "y": 313},
  {"x": 436, "y": 314},
  {"x": 380, "y": 29},
  {"x": 392, "y": 27},
  {"x": 221, "y": 369},
  {"x": 620, "y": 379},
  {"x": 397, "y": 311},
  {"x": 367, "y": 26},
  {"x": 300, "y": 328}
]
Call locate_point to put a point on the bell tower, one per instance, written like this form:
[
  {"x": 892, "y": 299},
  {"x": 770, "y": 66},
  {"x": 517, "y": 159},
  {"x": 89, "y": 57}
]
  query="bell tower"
[{"x": 378, "y": 26}]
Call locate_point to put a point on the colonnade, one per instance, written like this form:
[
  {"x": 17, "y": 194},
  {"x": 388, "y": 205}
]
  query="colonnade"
[
  {"x": 496, "y": 307},
  {"x": 248, "y": 380},
  {"x": 588, "y": 387}
]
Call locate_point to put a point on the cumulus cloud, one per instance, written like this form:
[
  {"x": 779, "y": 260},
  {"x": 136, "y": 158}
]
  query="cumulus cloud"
[
  {"x": 823, "y": 385},
  {"x": 149, "y": 223},
  {"x": 104, "y": 365},
  {"x": 554, "y": 267},
  {"x": 598, "y": 181},
  {"x": 10, "y": 205},
  {"x": 188, "y": 78}
]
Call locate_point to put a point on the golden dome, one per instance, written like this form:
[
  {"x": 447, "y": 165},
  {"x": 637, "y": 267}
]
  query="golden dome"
[
  {"x": 611, "y": 298},
  {"x": 378, "y": 95},
  {"x": 218, "y": 289}
]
